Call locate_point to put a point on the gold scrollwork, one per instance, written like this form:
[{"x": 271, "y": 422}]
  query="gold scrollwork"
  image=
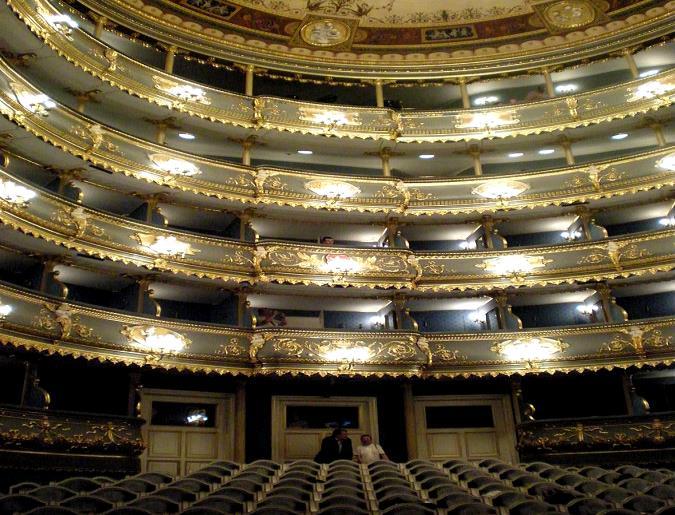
[
  {"x": 615, "y": 252},
  {"x": 63, "y": 320},
  {"x": 637, "y": 339}
]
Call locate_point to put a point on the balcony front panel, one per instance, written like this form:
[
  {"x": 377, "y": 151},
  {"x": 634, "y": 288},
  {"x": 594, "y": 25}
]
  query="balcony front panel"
[
  {"x": 120, "y": 153},
  {"x": 273, "y": 113},
  {"x": 296, "y": 43},
  {"x": 48, "y": 325},
  {"x": 98, "y": 234}
]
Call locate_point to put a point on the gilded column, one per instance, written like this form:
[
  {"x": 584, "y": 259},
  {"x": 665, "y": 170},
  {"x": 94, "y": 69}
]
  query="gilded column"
[
  {"x": 474, "y": 152},
  {"x": 101, "y": 22},
  {"x": 628, "y": 55},
  {"x": 246, "y": 146},
  {"x": 585, "y": 218},
  {"x": 379, "y": 93},
  {"x": 550, "y": 91},
  {"x": 464, "y": 90},
  {"x": 410, "y": 423},
  {"x": 385, "y": 155},
  {"x": 248, "y": 86},
  {"x": 566, "y": 144},
  {"x": 658, "y": 133},
  {"x": 170, "y": 58},
  {"x": 161, "y": 127}
]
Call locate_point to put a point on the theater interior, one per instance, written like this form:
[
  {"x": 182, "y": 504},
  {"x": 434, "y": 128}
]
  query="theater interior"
[{"x": 230, "y": 227}]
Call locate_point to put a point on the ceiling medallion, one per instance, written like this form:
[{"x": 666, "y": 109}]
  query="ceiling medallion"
[
  {"x": 529, "y": 349},
  {"x": 174, "y": 166},
  {"x": 165, "y": 245},
  {"x": 332, "y": 189},
  {"x": 513, "y": 264},
  {"x": 499, "y": 190},
  {"x": 15, "y": 193},
  {"x": 569, "y": 14},
  {"x": 667, "y": 163},
  {"x": 325, "y": 32},
  {"x": 156, "y": 339}
]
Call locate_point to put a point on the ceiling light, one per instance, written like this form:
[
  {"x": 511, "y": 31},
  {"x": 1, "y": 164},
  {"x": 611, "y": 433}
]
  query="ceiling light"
[
  {"x": 667, "y": 163},
  {"x": 566, "y": 88},
  {"x": 546, "y": 151},
  {"x": 587, "y": 309},
  {"x": 486, "y": 120},
  {"x": 648, "y": 73},
  {"x": 187, "y": 93},
  {"x": 37, "y": 103},
  {"x": 621, "y": 135},
  {"x": 500, "y": 189},
  {"x": 529, "y": 349},
  {"x": 516, "y": 154},
  {"x": 427, "y": 156},
  {"x": 332, "y": 189},
  {"x": 467, "y": 245},
  {"x": 15, "y": 193},
  {"x": 174, "y": 166},
  {"x": 340, "y": 264},
  {"x": 343, "y": 351},
  {"x": 165, "y": 245},
  {"x": 5, "y": 309},
  {"x": 156, "y": 339},
  {"x": 305, "y": 152},
  {"x": 571, "y": 235},
  {"x": 649, "y": 90},
  {"x": 62, "y": 20},
  {"x": 186, "y": 135},
  {"x": 512, "y": 264},
  {"x": 483, "y": 101}
]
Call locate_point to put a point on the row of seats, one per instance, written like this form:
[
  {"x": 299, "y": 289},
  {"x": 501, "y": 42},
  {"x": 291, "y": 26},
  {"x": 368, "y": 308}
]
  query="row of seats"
[{"x": 418, "y": 487}]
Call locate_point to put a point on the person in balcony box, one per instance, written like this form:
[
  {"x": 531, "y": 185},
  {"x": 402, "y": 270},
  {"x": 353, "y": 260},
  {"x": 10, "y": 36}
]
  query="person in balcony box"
[
  {"x": 335, "y": 447},
  {"x": 369, "y": 452}
]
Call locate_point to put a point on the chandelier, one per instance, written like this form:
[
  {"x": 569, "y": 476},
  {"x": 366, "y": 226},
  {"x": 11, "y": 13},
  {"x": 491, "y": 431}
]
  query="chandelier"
[
  {"x": 15, "y": 193},
  {"x": 332, "y": 189},
  {"x": 340, "y": 264},
  {"x": 667, "y": 163},
  {"x": 165, "y": 245},
  {"x": 5, "y": 309},
  {"x": 156, "y": 339},
  {"x": 513, "y": 264},
  {"x": 500, "y": 189},
  {"x": 174, "y": 166},
  {"x": 529, "y": 349}
]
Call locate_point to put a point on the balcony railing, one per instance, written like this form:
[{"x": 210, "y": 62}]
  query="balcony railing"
[
  {"x": 50, "y": 325},
  {"x": 88, "y": 231},
  {"x": 117, "y": 152},
  {"x": 184, "y": 96}
]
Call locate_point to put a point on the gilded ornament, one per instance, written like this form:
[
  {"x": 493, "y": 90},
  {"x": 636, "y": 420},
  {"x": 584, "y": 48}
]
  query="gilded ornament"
[
  {"x": 325, "y": 32},
  {"x": 615, "y": 252},
  {"x": 232, "y": 348},
  {"x": 638, "y": 339},
  {"x": 569, "y": 14},
  {"x": 62, "y": 319}
]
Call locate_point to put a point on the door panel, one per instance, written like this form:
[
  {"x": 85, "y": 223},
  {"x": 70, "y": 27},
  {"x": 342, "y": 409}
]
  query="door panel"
[
  {"x": 471, "y": 427},
  {"x": 299, "y": 423},
  {"x": 186, "y": 430}
]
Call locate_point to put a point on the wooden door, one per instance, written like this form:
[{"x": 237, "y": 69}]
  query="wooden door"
[
  {"x": 299, "y": 423},
  {"x": 470, "y": 427},
  {"x": 186, "y": 430}
]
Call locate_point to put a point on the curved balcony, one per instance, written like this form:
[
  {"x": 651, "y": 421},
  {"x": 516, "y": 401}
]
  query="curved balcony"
[
  {"x": 94, "y": 233},
  {"x": 184, "y": 96},
  {"x": 47, "y": 325},
  {"x": 204, "y": 34},
  {"x": 117, "y": 152}
]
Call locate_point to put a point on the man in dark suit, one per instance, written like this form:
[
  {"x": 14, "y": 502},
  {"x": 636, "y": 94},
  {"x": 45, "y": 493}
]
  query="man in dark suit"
[{"x": 338, "y": 446}]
